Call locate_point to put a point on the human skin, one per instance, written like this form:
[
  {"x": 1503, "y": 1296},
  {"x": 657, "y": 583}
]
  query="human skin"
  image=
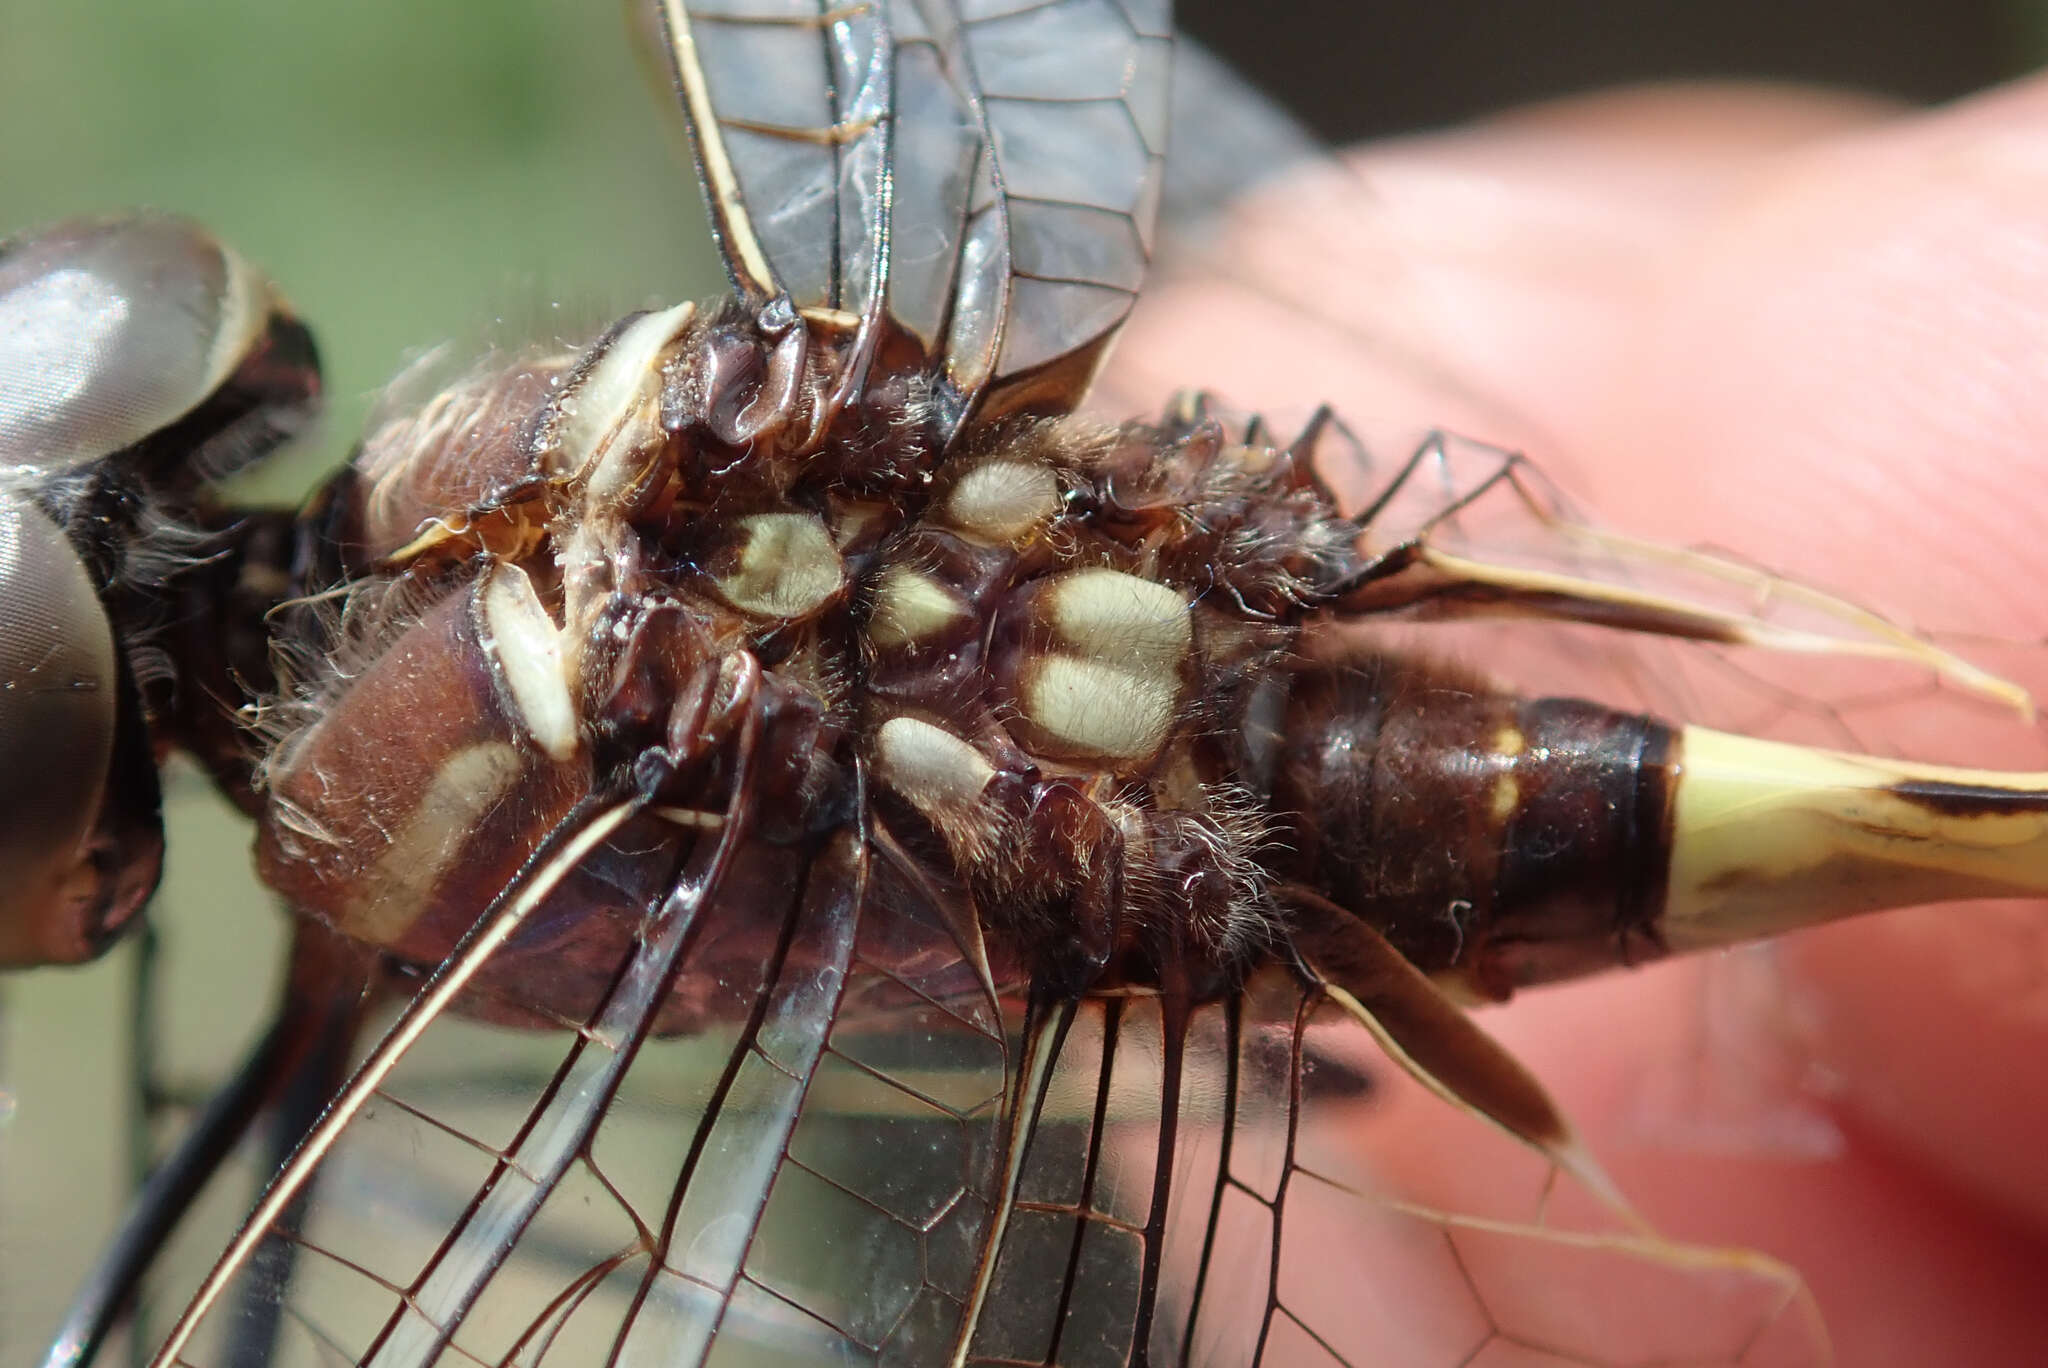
[{"x": 1813, "y": 330}]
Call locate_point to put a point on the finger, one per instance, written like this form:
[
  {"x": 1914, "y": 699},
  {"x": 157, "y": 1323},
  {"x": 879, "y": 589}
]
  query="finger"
[
  {"x": 1817, "y": 369},
  {"x": 1481, "y": 280},
  {"x": 1684, "y": 303},
  {"x": 1858, "y": 334},
  {"x": 1905, "y": 1271},
  {"x": 1776, "y": 323},
  {"x": 1830, "y": 362}
]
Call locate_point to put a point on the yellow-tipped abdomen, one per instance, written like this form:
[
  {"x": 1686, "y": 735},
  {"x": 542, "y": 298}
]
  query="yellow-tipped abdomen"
[{"x": 1768, "y": 837}]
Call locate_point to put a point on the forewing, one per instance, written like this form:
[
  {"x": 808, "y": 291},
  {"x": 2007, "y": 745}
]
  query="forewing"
[
  {"x": 979, "y": 180},
  {"x": 806, "y": 1178}
]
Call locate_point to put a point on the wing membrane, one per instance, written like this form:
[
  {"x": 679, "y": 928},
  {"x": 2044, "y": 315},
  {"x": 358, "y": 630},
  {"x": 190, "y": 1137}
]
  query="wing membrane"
[
  {"x": 1445, "y": 1243},
  {"x": 1213, "y": 1196},
  {"x": 980, "y": 179},
  {"x": 810, "y": 1178}
]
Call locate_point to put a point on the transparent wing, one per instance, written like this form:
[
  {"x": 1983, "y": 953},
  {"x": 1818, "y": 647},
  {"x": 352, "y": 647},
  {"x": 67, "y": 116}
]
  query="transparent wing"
[
  {"x": 806, "y": 1175},
  {"x": 1237, "y": 1192},
  {"x": 785, "y": 1189},
  {"x": 838, "y": 1148},
  {"x": 1389, "y": 1228},
  {"x": 979, "y": 180}
]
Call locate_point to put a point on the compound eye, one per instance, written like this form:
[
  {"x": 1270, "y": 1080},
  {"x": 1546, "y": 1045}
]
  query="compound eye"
[
  {"x": 113, "y": 330},
  {"x": 77, "y": 859}
]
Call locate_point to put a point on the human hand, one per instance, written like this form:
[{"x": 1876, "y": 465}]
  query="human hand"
[{"x": 1814, "y": 331}]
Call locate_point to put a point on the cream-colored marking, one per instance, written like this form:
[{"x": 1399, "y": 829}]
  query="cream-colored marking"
[
  {"x": 611, "y": 422},
  {"x": 264, "y": 581},
  {"x": 788, "y": 566},
  {"x": 910, "y": 606},
  {"x": 520, "y": 639},
  {"x": 854, "y": 518},
  {"x": 1768, "y": 837},
  {"x": 469, "y": 783},
  {"x": 691, "y": 819},
  {"x": 1510, "y": 742},
  {"x": 935, "y": 771},
  {"x": 1250, "y": 459},
  {"x": 1003, "y": 501},
  {"x": 835, "y": 320},
  {"x": 1121, "y": 619},
  {"x": 1507, "y": 796},
  {"x": 1090, "y": 708}
]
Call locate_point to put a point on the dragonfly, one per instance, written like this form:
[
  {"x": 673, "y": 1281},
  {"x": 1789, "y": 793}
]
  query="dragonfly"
[{"x": 850, "y": 1049}]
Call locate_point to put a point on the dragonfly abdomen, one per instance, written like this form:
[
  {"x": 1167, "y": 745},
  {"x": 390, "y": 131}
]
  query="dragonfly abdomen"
[{"x": 1507, "y": 839}]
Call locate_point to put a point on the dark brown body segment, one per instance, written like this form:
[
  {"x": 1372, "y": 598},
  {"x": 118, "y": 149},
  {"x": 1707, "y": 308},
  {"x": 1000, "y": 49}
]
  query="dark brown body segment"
[{"x": 1511, "y": 840}]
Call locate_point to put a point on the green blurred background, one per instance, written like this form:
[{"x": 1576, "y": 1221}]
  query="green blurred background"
[{"x": 419, "y": 170}]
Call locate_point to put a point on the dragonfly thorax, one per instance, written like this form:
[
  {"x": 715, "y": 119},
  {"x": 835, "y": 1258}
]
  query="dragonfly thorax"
[{"x": 1049, "y": 662}]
